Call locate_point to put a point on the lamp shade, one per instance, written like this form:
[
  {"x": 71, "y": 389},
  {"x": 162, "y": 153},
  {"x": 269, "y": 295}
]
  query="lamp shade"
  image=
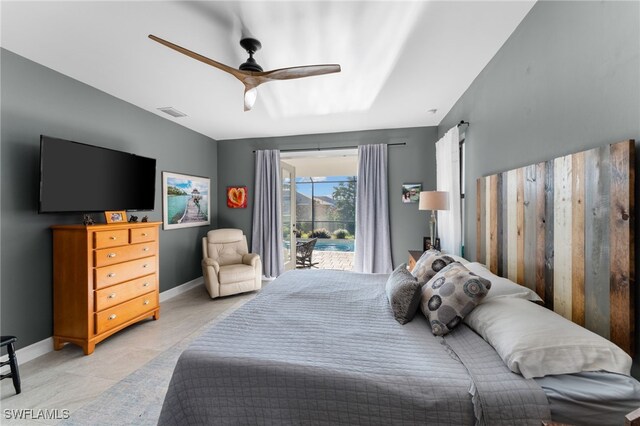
[{"x": 434, "y": 200}]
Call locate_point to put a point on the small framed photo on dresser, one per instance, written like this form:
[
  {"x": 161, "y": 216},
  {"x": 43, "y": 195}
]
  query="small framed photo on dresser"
[{"x": 115, "y": 216}]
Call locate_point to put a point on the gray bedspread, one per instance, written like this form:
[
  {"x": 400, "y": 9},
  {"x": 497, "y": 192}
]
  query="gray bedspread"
[{"x": 323, "y": 348}]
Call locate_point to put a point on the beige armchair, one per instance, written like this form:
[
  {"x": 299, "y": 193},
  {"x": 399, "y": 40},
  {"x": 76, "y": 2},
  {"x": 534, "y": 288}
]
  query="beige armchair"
[{"x": 227, "y": 266}]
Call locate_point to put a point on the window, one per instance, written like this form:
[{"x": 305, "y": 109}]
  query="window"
[{"x": 327, "y": 202}]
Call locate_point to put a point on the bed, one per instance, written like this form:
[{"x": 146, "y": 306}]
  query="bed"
[{"x": 323, "y": 348}]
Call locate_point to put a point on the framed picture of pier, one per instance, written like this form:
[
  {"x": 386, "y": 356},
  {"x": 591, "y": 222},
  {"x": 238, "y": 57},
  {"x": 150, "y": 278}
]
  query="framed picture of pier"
[{"x": 185, "y": 200}]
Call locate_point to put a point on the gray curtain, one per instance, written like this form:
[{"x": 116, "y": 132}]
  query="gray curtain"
[
  {"x": 266, "y": 237},
  {"x": 373, "y": 242}
]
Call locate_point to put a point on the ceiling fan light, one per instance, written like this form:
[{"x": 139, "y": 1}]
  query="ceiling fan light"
[{"x": 250, "y": 98}]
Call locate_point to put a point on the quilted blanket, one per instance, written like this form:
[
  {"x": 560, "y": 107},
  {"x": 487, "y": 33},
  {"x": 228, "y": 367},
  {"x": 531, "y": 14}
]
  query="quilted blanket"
[{"x": 322, "y": 348}]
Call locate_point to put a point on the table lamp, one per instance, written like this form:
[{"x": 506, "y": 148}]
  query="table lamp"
[{"x": 433, "y": 200}]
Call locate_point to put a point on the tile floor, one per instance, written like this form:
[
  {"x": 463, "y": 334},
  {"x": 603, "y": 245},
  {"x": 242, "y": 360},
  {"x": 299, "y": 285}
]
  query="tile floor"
[
  {"x": 342, "y": 260},
  {"x": 68, "y": 380}
]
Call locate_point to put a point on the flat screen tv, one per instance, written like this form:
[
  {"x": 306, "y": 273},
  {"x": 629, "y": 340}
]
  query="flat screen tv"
[{"x": 76, "y": 177}]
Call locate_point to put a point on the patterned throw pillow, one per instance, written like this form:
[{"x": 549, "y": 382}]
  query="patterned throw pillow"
[
  {"x": 403, "y": 292},
  {"x": 429, "y": 264},
  {"x": 450, "y": 295}
]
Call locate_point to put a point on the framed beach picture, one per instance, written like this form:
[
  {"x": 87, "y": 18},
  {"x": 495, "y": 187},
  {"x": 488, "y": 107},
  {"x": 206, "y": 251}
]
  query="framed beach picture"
[
  {"x": 185, "y": 200},
  {"x": 411, "y": 192}
]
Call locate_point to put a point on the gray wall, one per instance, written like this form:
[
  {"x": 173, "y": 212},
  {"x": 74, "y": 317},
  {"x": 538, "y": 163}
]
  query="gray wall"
[
  {"x": 568, "y": 79},
  {"x": 36, "y": 100},
  {"x": 413, "y": 163}
]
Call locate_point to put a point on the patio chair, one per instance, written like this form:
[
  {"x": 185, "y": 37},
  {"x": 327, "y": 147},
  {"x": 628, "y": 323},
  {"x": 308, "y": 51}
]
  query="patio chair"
[{"x": 304, "y": 251}]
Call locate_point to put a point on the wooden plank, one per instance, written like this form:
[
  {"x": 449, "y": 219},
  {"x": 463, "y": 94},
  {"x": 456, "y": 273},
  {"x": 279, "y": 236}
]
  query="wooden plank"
[
  {"x": 530, "y": 227},
  {"x": 541, "y": 226},
  {"x": 548, "y": 238},
  {"x": 562, "y": 236},
  {"x": 487, "y": 221},
  {"x": 504, "y": 231},
  {"x": 481, "y": 224},
  {"x": 577, "y": 238},
  {"x": 596, "y": 228},
  {"x": 520, "y": 226},
  {"x": 622, "y": 220},
  {"x": 512, "y": 225},
  {"x": 493, "y": 265},
  {"x": 479, "y": 220}
]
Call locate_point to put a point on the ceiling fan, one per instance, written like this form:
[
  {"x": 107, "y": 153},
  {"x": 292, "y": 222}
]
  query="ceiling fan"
[{"x": 250, "y": 73}]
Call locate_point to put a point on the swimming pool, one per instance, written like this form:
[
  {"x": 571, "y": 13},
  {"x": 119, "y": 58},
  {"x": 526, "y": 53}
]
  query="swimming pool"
[{"x": 326, "y": 244}]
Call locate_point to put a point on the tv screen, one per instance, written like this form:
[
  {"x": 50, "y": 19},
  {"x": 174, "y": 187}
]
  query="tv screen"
[{"x": 76, "y": 177}]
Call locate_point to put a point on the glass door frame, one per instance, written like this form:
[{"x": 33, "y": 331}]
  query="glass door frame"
[{"x": 290, "y": 254}]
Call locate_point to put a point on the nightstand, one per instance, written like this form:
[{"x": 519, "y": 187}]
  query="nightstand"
[{"x": 414, "y": 255}]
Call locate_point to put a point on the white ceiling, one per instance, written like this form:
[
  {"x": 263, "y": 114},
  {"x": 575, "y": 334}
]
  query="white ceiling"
[
  {"x": 399, "y": 59},
  {"x": 339, "y": 162}
]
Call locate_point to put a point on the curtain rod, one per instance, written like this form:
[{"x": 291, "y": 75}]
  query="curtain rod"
[
  {"x": 462, "y": 123},
  {"x": 332, "y": 148}
]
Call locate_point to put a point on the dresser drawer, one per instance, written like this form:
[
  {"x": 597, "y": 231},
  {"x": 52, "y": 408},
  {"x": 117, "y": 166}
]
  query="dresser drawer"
[
  {"x": 119, "y": 314},
  {"x": 121, "y": 272},
  {"x": 116, "y": 294},
  {"x": 109, "y": 256},
  {"x": 117, "y": 237},
  {"x": 140, "y": 235}
]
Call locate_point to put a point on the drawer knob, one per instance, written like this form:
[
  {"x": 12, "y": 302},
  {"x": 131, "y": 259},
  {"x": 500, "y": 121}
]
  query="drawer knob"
[
  {"x": 111, "y": 275},
  {"x": 146, "y": 302},
  {"x": 144, "y": 234},
  {"x": 113, "y": 237},
  {"x": 112, "y": 296},
  {"x": 145, "y": 249},
  {"x": 112, "y": 316},
  {"x": 145, "y": 285},
  {"x": 145, "y": 265},
  {"x": 111, "y": 255}
]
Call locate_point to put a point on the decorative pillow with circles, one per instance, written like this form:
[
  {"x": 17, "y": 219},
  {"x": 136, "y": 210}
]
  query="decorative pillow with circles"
[
  {"x": 450, "y": 295},
  {"x": 429, "y": 264}
]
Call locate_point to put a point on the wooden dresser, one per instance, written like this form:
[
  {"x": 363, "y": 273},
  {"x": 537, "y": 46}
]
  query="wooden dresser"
[
  {"x": 414, "y": 255},
  {"x": 105, "y": 278}
]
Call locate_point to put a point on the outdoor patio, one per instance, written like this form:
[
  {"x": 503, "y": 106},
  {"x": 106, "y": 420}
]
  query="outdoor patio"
[{"x": 342, "y": 260}]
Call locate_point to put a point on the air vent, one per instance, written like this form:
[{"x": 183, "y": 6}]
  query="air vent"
[{"x": 172, "y": 112}]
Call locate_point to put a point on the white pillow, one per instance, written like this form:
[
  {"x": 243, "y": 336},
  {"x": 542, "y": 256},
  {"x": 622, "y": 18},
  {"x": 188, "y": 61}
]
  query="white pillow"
[
  {"x": 458, "y": 259},
  {"x": 502, "y": 287},
  {"x": 537, "y": 342}
]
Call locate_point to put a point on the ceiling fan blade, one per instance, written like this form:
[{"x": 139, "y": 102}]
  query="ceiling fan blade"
[
  {"x": 299, "y": 72},
  {"x": 236, "y": 73}
]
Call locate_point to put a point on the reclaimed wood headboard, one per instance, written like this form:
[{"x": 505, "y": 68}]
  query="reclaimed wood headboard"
[{"x": 565, "y": 228}]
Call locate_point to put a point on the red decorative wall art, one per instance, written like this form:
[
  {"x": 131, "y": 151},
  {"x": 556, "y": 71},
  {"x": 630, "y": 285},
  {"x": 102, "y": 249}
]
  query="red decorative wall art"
[{"x": 237, "y": 197}]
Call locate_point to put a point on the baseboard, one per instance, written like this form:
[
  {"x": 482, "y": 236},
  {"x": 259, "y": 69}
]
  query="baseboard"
[
  {"x": 32, "y": 351},
  {"x": 45, "y": 346},
  {"x": 173, "y": 292}
]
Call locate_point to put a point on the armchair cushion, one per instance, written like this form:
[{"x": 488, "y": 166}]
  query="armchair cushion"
[
  {"x": 236, "y": 273},
  {"x": 227, "y": 246}
]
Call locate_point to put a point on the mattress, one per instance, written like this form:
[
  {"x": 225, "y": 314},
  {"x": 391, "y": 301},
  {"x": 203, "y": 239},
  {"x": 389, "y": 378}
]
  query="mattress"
[
  {"x": 589, "y": 398},
  {"x": 323, "y": 348}
]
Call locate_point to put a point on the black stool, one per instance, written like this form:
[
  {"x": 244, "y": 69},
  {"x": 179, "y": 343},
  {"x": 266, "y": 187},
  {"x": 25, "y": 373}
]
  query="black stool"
[{"x": 12, "y": 361}]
